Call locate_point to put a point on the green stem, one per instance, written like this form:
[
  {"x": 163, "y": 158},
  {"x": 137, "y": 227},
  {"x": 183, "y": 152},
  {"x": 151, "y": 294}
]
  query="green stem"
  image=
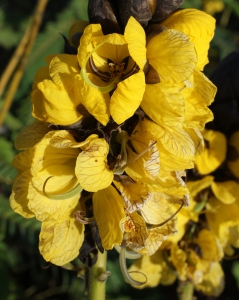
[
  {"x": 185, "y": 290},
  {"x": 96, "y": 288}
]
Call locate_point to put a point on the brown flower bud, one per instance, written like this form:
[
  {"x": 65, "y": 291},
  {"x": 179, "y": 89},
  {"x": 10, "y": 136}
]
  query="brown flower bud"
[
  {"x": 164, "y": 8},
  {"x": 139, "y": 9},
  {"x": 104, "y": 12}
]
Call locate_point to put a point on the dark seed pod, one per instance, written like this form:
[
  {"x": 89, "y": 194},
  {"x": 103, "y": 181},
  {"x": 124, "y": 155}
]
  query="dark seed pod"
[
  {"x": 141, "y": 10},
  {"x": 164, "y": 8},
  {"x": 104, "y": 13}
]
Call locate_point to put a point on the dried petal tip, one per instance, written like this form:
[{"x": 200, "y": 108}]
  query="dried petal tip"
[{"x": 103, "y": 12}]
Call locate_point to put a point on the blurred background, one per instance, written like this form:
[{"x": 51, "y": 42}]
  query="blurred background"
[{"x": 23, "y": 272}]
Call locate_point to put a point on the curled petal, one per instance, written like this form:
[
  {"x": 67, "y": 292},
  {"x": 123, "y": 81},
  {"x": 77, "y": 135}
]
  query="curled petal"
[{"x": 91, "y": 169}]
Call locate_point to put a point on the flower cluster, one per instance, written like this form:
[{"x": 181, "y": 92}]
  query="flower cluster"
[
  {"x": 118, "y": 123},
  {"x": 208, "y": 228}
]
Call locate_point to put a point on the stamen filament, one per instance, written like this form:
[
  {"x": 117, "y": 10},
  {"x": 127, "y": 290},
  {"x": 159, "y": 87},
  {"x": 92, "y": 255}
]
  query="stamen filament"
[
  {"x": 123, "y": 267},
  {"x": 166, "y": 221},
  {"x": 128, "y": 254},
  {"x": 119, "y": 171},
  {"x": 83, "y": 73},
  {"x": 76, "y": 190}
]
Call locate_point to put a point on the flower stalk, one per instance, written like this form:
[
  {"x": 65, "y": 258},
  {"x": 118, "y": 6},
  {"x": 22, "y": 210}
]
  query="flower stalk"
[{"x": 96, "y": 287}]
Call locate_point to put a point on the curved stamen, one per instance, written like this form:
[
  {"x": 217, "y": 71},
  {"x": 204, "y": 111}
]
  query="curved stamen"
[
  {"x": 128, "y": 254},
  {"x": 80, "y": 216},
  {"x": 76, "y": 190},
  {"x": 167, "y": 220},
  {"x": 83, "y": 73},
  {"x": 123, "y": 267},
  {"x": 103, "y": 75},
  {"x": 135, "y": 69},
  {"x": 119, "y": 171}
]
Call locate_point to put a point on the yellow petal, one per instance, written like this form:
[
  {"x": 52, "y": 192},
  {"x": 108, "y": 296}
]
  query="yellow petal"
[
  {"x": 154, "y": 268},
  {"x": 199, "y": 27},
  {"x": 176, "y": 141},
  {"x": 127, "y": 97},
  {"x": 45, "y": 155},
  {"x": 114, "y": 47},
  {"x": 109, "y": 214},
  {"x": 22, "y": 161},
  {"x": 60, "y": 240},
  {"x": 63, "y": 139},
  {"x": 77, "y": 27},
  {"x": 54, "y": 104},
  {"x": 134, "y": 195},
  {"x": 91, "y": 169},
  {"x": 226, "y": 191},
  {"x": 136, "y": 39},
  {"x": 41, "y": 74},
  {"x": 156, "y": 237},
  {"x": 94, "y": 101},
  {"x": 157, "y": 210},
  {"x": 163, "y": 104},
  {"x": 213, "y": 155},
  {"x": 178, "y": 257},
  {"x": 172, "y": 55},
  {"x": 18, "y": 198},
  {"x": 93, "y": 30},
  {"x": 197, "y": 186},
  {"x": 136, "y": 231},
  {"x": 60, "y": 183},
  {"x": 63, "y": 68},
  {"x": 213, "y": 282},
  {"x": 31, "y": 135},
  {"x": 210, "y": 245}
]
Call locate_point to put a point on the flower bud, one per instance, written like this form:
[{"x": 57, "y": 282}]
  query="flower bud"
[{"x": 103, "y": 12}]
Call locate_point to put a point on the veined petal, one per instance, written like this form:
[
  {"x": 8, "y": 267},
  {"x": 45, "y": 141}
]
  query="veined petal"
[
  {"x": 109, "y": 214},
  {"x": 63, "y": 139},
  {"x": 136, "y": 39},
  {"x": 127, "y": 97},
  {"x": 91, "y": 169},
  {"x": 157, "y": 210},
  {"x": 60, "y": 240},
  {"x": 114, "y": 47},
  {"x": 63, "y": 68},
  {"x": 31, "y": 135},
  {"x": 159, "y": 104},
  {"x": 61, "y": 182},
  {"x": 172, "y": 55},
  {"x": 134, "y": 195},
  {"x": 94, "y": 101},
  {"x": 90, "y": 31},
  {"x": 157, "y": 236},
  {"x": 199, "y": 27},
  {"x": 54, "y": 104},
  {"x": 176, "y": 141},
  {"x": 46, "y": 156},
  {"x": 22, "y": 161},
  {"x": 18, "y": 198},
  {"x": 41, "y": 74},
  {"x": 136, "y": 230}
]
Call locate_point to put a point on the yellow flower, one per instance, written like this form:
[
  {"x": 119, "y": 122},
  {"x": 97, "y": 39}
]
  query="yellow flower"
[
  {"x": 214, "y": 153},
  {"x": 213, "y": 6}
]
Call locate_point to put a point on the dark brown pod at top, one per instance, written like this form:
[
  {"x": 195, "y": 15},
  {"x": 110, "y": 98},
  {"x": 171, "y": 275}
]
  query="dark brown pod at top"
[
  {"x": 141, "y": 10},
  {"x": 104, "y": 13},
  {"x": 164, "y": 8}
]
